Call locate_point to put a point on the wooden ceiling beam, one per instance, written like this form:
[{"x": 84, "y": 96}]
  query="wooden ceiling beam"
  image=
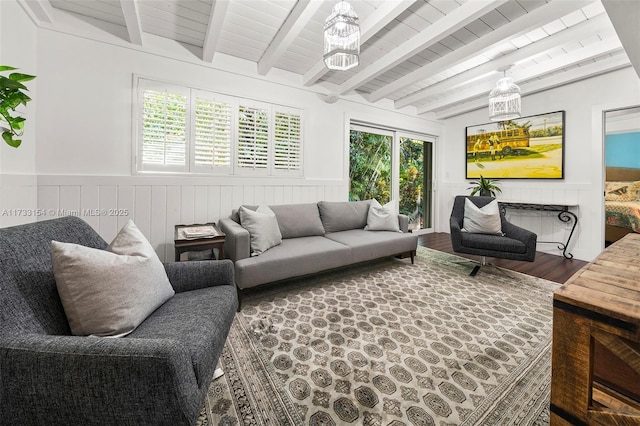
[
  {"x": 440, "y": 29},
  {"x": 381, "y": 17},
  {"x": 513, "y": 29},
  {"x": 594, "y": 69},
  {"x": 300, "y": 15},
  {"x": 577, "y": 32},
  {"x": 132, "y": 20},
  {"x": 214, "y": 27}
]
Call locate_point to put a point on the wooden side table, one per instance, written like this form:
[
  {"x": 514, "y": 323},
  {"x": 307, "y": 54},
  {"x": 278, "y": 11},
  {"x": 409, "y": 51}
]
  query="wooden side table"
[
  {"x": 596, "y": 341},
  {"x": 183, "y": 244}
]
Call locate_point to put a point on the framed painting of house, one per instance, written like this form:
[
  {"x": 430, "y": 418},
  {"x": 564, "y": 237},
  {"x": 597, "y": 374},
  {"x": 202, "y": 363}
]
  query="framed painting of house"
[{"x": 525, "y": 148}]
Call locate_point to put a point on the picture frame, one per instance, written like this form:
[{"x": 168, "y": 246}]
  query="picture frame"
[{"x": 529, "y": 147}]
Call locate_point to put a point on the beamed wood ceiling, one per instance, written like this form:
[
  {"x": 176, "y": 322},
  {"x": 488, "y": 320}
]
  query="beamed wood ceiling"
[{"x": 439, "y": 58}]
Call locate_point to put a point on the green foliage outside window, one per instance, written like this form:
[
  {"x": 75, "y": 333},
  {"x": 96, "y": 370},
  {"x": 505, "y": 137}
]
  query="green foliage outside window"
[{"x": 370, "y": 172}]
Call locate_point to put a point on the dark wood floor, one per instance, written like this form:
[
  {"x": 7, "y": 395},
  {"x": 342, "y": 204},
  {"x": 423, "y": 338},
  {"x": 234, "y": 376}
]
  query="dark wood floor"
[{"x": 548, "y": 266}]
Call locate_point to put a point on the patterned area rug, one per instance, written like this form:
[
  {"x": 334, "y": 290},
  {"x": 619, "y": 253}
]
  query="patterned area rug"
[{"x": 390, "y": 343}]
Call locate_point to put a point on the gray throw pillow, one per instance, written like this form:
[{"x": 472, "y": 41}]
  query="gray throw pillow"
[
  {"x": 382, "y": 218},
  {"x": 341, "y": 216},
  {"x": 298, "y": 220},
  {"x": 485, "y": 220},
  {"x": 110, "y": 292},
  {"x": 263, "y": 228}
]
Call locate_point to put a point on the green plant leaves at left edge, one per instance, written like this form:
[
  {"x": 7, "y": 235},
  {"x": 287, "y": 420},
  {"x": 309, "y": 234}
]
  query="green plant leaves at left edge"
[
  {"x": 8, "y": 138},
  {"x": 16, "y": 76}
]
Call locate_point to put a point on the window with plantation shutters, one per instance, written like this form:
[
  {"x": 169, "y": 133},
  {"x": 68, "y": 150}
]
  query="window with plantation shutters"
[
  {"x": 187, "y": 130},
  {"x": 287, "y": 138},
  {"x": 213, "y": 133},
  {"x": 164, "y": 128},
  {"x": 253, "y": 137}
]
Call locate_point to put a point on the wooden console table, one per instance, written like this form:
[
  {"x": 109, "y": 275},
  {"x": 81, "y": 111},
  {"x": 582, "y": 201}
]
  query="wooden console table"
[
  {"x": 596, "y": 341},
  {"x": 564, "y": 215}
]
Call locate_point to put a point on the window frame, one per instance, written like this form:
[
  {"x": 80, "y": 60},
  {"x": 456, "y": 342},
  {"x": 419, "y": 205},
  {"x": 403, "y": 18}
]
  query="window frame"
[{"x": 295, "y": 167}]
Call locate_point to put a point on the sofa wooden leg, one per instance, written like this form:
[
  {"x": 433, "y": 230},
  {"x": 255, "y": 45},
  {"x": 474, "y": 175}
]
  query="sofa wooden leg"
[
  {"x": 413, "y": 255},
  {"x": 239, "y": 292}
]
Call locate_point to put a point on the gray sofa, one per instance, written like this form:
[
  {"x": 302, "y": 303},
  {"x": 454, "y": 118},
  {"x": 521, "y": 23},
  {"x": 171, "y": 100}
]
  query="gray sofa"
[
  {"x": 158, "y": 374},
  {"x": 315, "y": 237}
]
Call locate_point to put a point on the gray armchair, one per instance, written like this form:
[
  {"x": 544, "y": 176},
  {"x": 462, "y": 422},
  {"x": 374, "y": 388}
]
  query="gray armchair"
[
  {"x": 157, "y": 375},
  {"x": 516, "y": 243}
]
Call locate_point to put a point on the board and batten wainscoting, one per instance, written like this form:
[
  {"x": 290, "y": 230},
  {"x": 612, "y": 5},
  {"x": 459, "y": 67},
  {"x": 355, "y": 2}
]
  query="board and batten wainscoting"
[{"x": 157, "y": 204}]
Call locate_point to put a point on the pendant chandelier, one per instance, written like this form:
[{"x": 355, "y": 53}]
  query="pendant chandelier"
[
  {"x": 504, "y": 100},
  {"x": 341, "y": 38}
]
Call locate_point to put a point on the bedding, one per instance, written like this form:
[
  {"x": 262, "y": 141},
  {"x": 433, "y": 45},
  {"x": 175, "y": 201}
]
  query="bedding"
[{"x": 623, "y": 213}]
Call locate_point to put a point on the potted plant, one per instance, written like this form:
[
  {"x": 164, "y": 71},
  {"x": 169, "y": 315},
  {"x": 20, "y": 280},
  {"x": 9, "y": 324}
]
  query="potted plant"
[
  {"x": 485, "y": 187},
  {"x": 11, "y": 96}
]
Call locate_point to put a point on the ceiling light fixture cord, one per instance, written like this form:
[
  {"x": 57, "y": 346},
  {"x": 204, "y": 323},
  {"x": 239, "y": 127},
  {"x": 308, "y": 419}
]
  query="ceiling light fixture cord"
[{"x": 341, "y": 38}]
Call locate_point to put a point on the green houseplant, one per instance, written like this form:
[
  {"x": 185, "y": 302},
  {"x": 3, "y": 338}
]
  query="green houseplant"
[
  {"x": 485, "y": 187},
  {"x": 12, "y": 94}
]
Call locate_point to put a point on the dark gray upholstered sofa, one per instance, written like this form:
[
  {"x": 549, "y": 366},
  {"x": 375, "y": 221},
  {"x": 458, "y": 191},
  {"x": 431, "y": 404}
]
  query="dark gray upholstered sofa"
[
  {"x": 157, "y": 375},
  {"x": 516, "y": 243},
  {"x": 315, "y": 237}
]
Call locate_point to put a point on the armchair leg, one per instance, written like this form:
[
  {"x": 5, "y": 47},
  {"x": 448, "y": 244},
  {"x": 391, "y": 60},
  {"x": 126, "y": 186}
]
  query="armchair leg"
[
  {"x": 239, "y": 292},
  {"x": 475, "y": 270}
]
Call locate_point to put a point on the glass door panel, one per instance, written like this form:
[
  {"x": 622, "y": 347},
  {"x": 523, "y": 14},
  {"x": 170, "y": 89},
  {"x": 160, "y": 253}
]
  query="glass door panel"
[
  {"x": 415, "y": 182},
  {"x": 370, "y": 170}
]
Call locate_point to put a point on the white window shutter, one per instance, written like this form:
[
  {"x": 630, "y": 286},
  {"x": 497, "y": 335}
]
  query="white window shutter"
[
  {"x": 287, "y": 141},
  {"x": 253, "y": 138},
  {"x": 164, "y": 127},
  {"x": 212, "y": 133}
]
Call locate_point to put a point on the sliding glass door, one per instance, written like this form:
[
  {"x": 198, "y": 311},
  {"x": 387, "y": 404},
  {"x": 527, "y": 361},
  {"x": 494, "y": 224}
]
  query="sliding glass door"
[
  {"x": 393, "y": 165},
  {"x": 370, "y": 155}
]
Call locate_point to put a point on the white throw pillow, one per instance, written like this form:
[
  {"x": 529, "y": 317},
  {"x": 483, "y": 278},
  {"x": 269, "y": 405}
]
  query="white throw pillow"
[
  {"x": 263, "y": 228},
  {"x": 110, "y": 292},
  {"x": 485, "y": 220},
  {"x": 382, "y": 218}
]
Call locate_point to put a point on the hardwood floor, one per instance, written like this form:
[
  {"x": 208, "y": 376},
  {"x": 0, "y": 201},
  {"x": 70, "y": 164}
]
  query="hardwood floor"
[{"x": 548, "y": 266}]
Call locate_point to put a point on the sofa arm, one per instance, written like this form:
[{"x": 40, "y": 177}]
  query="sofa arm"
[
  {"x": 403, "y": 221},
  {"x": 91, "y": 380},
  {"x": 237, "y": 243},
  {"x": 187, "y": 276}
]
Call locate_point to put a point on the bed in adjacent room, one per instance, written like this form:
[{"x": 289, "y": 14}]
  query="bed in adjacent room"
[{"x": 622, "y": 202}]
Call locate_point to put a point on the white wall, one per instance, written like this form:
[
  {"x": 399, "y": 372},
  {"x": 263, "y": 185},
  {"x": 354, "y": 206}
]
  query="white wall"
[
  {"x": 18, "y": 41},
  {"x": 583, "y": 103},
  {"x": 83, "y": 161}
]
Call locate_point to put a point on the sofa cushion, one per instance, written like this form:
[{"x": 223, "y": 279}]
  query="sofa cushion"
[
  {"x": 110, "y": 292},
  {"x": 341, "y": 216},
  {"x": 367, "y": 245},
  {"x": 263, "y": 228},
  {"x": 382, "y": 218},
  {"x": 298, "y": 220},
  {"x": 294, "y": 257},
  {"x": 199, "y": 320}
]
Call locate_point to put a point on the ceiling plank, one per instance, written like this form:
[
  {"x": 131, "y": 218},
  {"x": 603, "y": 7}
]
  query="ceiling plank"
[
  {"x": 377, "y": 20},
  {"x": 39, "y": 9},
  {"x": 300, "y": 15},
  {"x": 592, "y": 70},
  {"x": 539, "y": 71},
  {"x": 440, "y": 29},
  {"x": 625, "y": 16},
  {"x": 132, "y": 20},
  {"x": 216, "y": 19},
  {"x": 577, "y": 32},
  {"x": 508, "y": 31}
]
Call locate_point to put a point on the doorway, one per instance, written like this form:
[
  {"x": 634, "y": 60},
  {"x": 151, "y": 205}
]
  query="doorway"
[
  {"x": 388, "y": 164},
  {"x": 621, "y": 128}
]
